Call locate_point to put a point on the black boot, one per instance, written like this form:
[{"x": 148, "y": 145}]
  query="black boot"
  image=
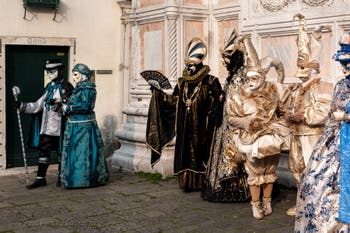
[
  {"x": 58, "y": 182},
  {"x": 37, "y": 183},
  {"x": 40, "y": 178}
]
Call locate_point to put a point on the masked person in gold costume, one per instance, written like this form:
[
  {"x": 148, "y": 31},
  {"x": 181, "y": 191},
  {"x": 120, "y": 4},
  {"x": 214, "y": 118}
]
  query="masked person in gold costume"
[
  {"x": 226, "y": 178},
  {"x": 255, "y": 111},
  {"x": 194, "y": 106},
  {"x": 310, "y": 102}
]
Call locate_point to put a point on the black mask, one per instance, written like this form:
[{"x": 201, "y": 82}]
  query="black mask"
[{"x": 192, "y": 69}]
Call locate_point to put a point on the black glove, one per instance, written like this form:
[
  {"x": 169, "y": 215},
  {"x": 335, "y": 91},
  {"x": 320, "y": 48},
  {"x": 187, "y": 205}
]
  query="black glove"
[
  {"x": 18, "y": 104},
  {"x": 51, "y": 102},
  {"x": 57, "y": 107}
]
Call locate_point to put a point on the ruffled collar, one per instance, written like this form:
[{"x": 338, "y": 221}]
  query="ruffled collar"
[
  {"x": 85, "y": 84},
  {"x": 198, "y": 76}
]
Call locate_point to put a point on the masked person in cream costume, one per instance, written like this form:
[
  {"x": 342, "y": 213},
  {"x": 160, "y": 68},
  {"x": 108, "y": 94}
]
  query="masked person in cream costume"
[
  {"x": 255, "y": 111},
  {"x": 226, "y": 179},
  {"x": 310, "y": 102}
]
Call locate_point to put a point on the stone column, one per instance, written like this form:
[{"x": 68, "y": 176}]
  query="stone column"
[
  {"x": 132, "y": 133},
  {"x": 172, "y": 15},
  {"x": 133, "y": 153}
]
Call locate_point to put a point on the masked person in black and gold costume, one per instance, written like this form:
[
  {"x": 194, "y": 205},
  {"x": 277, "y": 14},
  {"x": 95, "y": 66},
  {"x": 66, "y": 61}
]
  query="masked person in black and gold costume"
[
  {"x": 193, "y": 105},
  {"x": 226, "y": 179}
]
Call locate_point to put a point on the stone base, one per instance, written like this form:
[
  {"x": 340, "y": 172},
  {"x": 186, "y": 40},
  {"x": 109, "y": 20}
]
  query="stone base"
[{"x": 136, "y": 156}]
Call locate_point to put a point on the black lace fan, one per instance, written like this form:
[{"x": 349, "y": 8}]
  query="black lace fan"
[{"x": 156, "y": 79}]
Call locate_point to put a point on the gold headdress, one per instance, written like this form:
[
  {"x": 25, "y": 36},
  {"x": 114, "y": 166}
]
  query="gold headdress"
[
  {"x": 230, "y": 48},
  {"x": 231, "y": 54},
  {"x": 253, "y": 66},
  {"x": 308, "y": 49}
]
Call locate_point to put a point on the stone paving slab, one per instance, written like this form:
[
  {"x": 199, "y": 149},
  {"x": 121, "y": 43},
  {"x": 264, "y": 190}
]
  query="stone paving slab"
[{"x": 129, "y": 203}]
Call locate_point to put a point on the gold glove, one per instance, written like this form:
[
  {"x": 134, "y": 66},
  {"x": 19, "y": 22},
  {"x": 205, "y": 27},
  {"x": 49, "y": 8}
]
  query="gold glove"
[{"x": 339, "y": 115}]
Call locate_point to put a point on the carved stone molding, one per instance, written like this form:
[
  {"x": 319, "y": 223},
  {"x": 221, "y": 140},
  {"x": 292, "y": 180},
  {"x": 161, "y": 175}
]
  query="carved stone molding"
[
  {"x": 126, "y": 8},
  {"x": 275, "y": 5},
  {"x": 279, "y": 5},
  {"x": 315, "y": 3}
]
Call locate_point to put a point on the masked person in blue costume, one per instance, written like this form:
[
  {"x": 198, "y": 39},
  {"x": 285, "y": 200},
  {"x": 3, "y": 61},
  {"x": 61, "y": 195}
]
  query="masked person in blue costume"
[
  {"x": 49, "y": 104},
  {"x": 323, "y": 196},
  {"x": 83, "y": 163}
]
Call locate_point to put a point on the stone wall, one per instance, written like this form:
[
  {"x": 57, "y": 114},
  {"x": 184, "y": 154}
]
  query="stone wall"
[{"x": 158, "y": 32}]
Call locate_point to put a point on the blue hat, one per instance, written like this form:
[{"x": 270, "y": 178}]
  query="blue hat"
[
  {"x": 82, "y": 69},
  {"x": 343, "y": 55}
]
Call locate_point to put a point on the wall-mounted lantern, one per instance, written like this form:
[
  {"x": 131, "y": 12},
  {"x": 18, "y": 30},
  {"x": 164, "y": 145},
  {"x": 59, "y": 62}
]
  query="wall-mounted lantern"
[{"x": 51, "y": 4}]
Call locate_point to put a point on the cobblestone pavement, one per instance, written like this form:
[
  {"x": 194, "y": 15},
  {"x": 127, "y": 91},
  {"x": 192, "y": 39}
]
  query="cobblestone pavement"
[{"x": 129, "y": 203}]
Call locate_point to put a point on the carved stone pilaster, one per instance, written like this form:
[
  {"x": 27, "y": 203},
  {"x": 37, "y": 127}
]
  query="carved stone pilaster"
[
  {"x": 134, "y": 153},
  {"x": 172, "y": 40}
]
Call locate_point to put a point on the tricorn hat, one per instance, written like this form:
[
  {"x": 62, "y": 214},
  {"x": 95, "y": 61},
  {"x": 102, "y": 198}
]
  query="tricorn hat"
[
  {"x": 196, "y": 51},
  {"x": 53, "y": 64}
]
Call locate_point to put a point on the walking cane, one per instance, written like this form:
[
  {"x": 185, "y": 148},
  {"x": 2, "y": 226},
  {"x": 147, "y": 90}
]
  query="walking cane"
[{"x": 16, "y": 92}]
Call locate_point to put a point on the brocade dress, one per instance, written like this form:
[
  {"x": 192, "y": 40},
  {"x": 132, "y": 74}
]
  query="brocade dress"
[
  {"x": 226, "y": 180},
  {"x": 318, "y": 195},
  {"x": 83, "y": 162}
]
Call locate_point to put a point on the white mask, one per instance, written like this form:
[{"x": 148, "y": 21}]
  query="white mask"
[
  {"x": 78, "y": 77},
  {"x": 254, "y": 82},
  {"x": 52, "y": 74}
]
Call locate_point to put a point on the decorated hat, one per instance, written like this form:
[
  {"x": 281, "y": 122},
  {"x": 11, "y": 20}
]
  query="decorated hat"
[
  {"x": 196, "y": 51},
  {"x": 82, "y": 69},
  {"x": 268, "y": 62},
  {"x": 53, "y": 64},
  {"x": 253, "y": 65},
  {"x": 343, "y": 55},
  {"x": 231, "y": 54}
]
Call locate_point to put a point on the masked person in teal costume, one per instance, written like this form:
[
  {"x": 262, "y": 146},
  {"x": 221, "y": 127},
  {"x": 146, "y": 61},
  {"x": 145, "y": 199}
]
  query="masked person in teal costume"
[
  {"x": 47, "y": 137},
  {"x": 83, "y": 163}
]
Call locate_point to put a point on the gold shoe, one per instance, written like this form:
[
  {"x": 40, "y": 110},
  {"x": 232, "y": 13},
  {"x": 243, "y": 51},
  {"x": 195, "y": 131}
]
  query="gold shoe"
[
  {"x": 256, "y": 208},
  {"x": 292, "y": 211},
  {"x": 267, "y": 209}
]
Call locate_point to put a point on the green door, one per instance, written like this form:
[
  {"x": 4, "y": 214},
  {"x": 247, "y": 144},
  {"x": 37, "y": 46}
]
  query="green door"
[{"x": 25, "y": 69}]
